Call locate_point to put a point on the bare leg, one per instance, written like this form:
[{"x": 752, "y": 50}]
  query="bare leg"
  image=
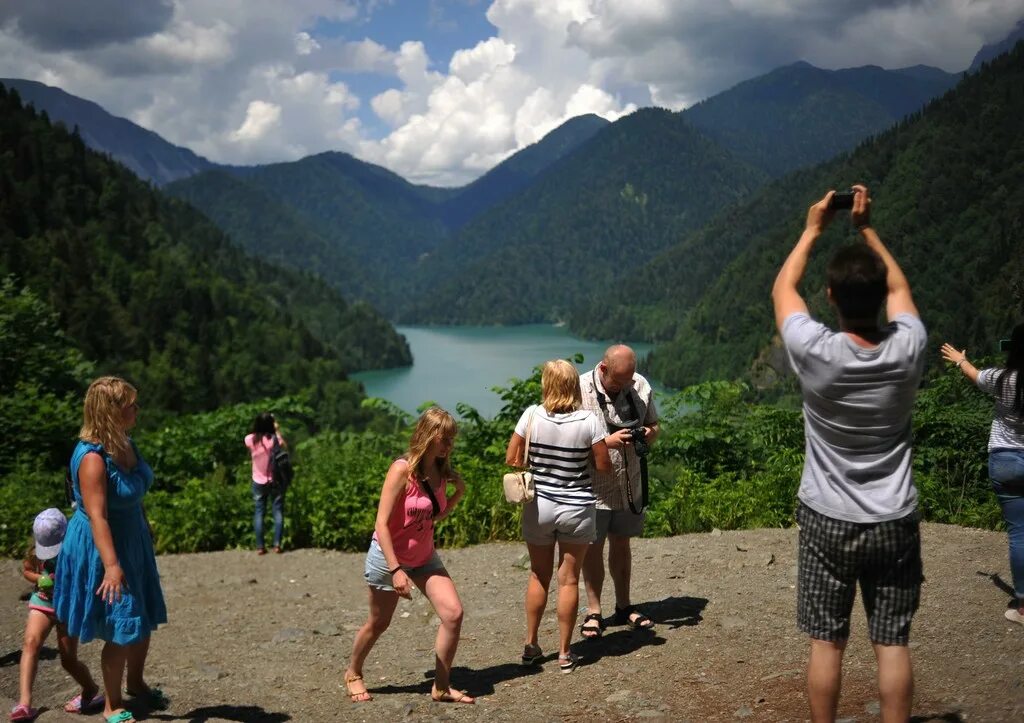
[
  {"x": 136, "y": 662},
  {"x": 382, "y": 608},
  {"x": 571, "y": 557},
  {"x": 542, "y": 561},
  {"x": 112, "y": 662},
  {"x": 593, "y": 576},
  {"x": 440, "y": 590},
  {"x": 895, "y": 681},
  {"x": 37, "y": 627},
  {"x": 78, "y": 670},
  {"x": 620, "y": 567},
  {"x": 824, "y": 678}
]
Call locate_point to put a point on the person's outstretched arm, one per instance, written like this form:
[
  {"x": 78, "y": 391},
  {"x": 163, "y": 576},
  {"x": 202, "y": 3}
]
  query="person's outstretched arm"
[
  {"x": 950, "y": 354},
  {"x": 785, "y": 293},
  {"x": 899, "y": 300}
]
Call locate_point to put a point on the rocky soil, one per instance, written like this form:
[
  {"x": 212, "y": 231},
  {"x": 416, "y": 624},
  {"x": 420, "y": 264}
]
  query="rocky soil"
[{"x": 267, "y": 639}]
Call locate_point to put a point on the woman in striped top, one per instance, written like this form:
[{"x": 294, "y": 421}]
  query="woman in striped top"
[
  {"x": 1005, "y": 447},
  {"x": 563, "y": 438}
]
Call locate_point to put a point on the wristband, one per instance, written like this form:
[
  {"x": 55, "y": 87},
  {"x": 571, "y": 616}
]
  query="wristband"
[
  {"x": 862, "y": 227},
  {"x": 961, "y": 362},
  {"x": 392, "y": 572}
]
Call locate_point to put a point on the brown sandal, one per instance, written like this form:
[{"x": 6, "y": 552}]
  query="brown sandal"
[
  {"x": 448, "y": 696},
  {"x": 354, "y": 695}
]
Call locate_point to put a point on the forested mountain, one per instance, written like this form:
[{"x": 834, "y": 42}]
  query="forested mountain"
[
  {"x": 994, "y": 50},
  {"x": 947, "y": 200},
  {"x": 148, "y": 155},
  {"x": 519, "y": 170},
  {"x": 144, "y": 285},
  {"x": 799, "y": 115},
  {"x": 631, "y": 191}
]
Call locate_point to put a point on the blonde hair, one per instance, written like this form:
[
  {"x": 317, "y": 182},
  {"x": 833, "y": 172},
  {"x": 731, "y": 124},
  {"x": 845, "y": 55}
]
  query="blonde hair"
[
  {"x": 433, "y": 424},
  {"x": 560, "y": 387},
  {"x": 105, "y": 402}
]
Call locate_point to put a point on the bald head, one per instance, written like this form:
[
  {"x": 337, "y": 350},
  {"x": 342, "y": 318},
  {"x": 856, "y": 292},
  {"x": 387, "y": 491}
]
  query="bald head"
[{"x": 617, "y": 368}]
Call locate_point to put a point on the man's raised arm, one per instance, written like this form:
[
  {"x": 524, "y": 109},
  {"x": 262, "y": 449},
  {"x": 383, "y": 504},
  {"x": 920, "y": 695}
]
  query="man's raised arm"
[
  {"x": 899, "y": 299},
  {"x": 785, "y": 293}
]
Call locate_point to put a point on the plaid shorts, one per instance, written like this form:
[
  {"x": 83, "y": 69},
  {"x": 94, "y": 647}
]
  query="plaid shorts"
[{"x": 885, "y": 557}]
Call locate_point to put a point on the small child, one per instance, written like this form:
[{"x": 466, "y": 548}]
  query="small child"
[{"x": 38, "y": 568}]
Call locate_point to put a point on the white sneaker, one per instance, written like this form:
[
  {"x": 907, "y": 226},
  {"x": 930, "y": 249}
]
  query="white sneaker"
[{"x": 1014, "y": 616}]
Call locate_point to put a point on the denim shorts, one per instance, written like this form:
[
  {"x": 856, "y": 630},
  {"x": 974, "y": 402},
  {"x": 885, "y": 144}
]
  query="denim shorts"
[{"x": 376, "y": 572}]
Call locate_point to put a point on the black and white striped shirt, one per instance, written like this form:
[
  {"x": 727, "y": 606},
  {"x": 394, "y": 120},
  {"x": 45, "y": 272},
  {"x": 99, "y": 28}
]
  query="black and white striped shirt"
[{"x": 560, "y": 446}]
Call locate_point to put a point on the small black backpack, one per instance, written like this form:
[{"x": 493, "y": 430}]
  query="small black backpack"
[{"x": 281, "y": 472}]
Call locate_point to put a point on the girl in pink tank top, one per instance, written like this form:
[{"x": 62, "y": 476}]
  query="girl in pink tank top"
[{"x": 414, "y": 496}]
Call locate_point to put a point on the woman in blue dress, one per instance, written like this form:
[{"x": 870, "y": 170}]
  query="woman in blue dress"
[{"x": 109, "y": 585}]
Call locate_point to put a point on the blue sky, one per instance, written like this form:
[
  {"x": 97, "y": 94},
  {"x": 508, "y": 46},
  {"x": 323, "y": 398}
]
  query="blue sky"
[{"x": 440, "y": 91}]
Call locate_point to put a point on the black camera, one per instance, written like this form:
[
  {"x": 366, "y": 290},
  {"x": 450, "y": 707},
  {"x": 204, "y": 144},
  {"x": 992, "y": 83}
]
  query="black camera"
[
  {"x": 841, "y": 200},
  {"x": 639, "y": 441}
]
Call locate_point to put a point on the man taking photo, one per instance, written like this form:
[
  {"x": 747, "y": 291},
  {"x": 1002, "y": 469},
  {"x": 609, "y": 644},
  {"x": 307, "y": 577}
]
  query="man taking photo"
[{"x": 858, "y": 504}]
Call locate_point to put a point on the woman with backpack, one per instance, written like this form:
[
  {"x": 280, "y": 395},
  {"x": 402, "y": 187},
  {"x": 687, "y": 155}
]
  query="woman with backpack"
[{"x": 263, "y": 443}]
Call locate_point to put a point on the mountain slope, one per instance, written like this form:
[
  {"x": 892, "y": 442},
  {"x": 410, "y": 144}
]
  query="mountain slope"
[
  {"x": 519, "y": 170},
  {"x": 948, "y": 202},
  {"x": 146, "y": 154},
  {"x": 631, "y": 191},
  {"x": 144, "y": 285},
  {"x": 799, "y": 115}
]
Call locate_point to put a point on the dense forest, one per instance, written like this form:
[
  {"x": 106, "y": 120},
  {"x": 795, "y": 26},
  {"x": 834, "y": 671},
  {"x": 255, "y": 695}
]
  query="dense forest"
[
  {"x": 145, "y": 286},
  {"x": 947, "y": 200}
]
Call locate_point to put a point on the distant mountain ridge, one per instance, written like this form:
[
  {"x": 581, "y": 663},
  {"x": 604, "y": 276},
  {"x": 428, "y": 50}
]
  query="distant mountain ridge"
[
  {"x": 799, "y": 115},
  {"x": 145, "y": 153}
]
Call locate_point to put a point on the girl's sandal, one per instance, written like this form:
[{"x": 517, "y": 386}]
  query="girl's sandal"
[
  {"x": 356, "y": 695},
  {"x": 122, "y": 716},
  {"x": 80, "y": 704},
  {"x": 450, "y": 696},
  {"x": 23, "y": 713},
  {"x": 632, "y": 618}
]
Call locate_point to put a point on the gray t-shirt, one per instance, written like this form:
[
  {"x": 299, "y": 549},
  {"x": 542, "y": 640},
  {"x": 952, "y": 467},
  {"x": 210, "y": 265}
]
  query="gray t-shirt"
[
  {"x": 857, "y": 406},
  {"x": 1007, "y": 426}
]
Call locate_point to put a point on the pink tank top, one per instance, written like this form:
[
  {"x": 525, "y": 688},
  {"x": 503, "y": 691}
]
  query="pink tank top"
[{"x": 412, "y": 526}]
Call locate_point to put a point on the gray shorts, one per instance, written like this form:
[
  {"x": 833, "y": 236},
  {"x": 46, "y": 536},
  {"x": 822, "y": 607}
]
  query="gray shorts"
[
  {"x": 621, "y": 523},
  {"x": 376, "y": 569},
  {"x": 546, "y": 522}
]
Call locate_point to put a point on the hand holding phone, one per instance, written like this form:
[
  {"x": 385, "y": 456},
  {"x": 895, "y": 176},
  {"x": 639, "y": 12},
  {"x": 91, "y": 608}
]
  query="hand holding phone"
[{"x": 841, "y": 200}]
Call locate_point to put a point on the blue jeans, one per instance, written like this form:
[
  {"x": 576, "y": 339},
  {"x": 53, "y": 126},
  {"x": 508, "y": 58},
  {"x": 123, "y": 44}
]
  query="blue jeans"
[
  {"x": 259, "y": 496},
  {"x": 1006, "y": 468}
]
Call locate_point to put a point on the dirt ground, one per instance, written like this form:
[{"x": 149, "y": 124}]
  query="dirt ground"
[{"x": 267, "y": 639}]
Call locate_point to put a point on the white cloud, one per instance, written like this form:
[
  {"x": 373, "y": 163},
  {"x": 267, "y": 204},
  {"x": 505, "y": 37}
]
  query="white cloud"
[
  {"x": 251, "y": 81},
  {"x": 260, "y": 117}
]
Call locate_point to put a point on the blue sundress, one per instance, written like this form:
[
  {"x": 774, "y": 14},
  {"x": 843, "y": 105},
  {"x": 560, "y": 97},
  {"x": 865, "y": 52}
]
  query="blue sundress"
[{"x": 80, "y": 570}]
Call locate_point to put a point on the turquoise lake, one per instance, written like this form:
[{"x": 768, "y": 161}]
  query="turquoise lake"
[{"x": 462, "y": 363}]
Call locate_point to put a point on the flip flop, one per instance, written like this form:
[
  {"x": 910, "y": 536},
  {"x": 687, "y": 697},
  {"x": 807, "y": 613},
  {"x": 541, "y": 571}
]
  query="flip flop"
[
  {"x": 591, "y": 632},
  {"x": 78, "y": 704},
  {"x": 354, "y": 695},
  {"x": 122, "y": 716},
  {"x": 446, "y": 696},
  {"x": 24, "y": 712}
]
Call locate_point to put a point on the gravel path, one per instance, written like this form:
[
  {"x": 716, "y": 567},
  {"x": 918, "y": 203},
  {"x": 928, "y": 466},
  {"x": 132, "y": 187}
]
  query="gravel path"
[{"x": 267, "y": 639}]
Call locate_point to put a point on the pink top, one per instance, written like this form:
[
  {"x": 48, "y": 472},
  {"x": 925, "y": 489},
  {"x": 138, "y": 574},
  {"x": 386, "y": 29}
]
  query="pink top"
[
  {"x": 260, "y": 451},
  {"x": 412, "y": 526}
]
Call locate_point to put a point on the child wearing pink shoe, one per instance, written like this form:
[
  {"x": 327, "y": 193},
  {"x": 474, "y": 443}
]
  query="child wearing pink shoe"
[{"x": 38, "y": 568}]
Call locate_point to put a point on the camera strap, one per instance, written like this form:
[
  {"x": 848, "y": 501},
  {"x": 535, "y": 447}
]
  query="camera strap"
[{"x": 644, "y": 483}]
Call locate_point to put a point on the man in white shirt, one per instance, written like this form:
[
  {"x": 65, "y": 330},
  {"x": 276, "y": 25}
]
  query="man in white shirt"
[{"x": 858, "y": 504}]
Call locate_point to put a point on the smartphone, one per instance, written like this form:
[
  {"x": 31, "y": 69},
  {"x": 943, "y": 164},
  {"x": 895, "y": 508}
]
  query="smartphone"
[
  {"x": 1004, "y": 345},
  {"x": 841, "y": 200}
]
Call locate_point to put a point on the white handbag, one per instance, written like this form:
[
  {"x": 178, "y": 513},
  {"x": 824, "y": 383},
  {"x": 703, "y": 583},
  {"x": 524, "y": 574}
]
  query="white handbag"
[{"x": 519, "y": 485}]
